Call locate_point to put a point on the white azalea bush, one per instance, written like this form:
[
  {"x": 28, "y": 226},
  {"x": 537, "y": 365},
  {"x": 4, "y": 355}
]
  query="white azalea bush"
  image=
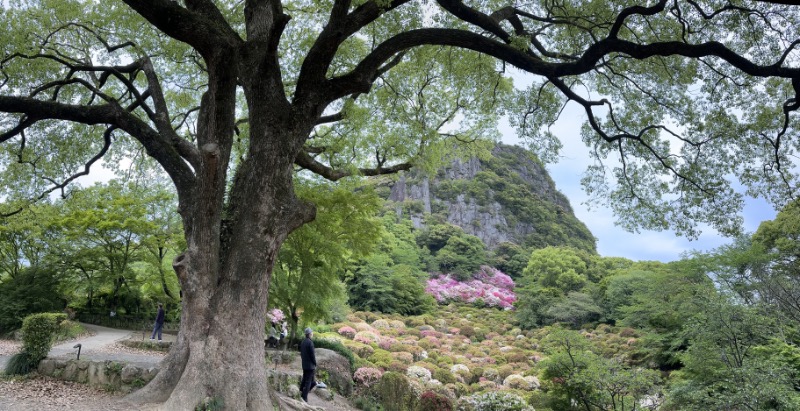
[
  {"x": 419, "y": 373},
  {"x": 493, "y": 401}
]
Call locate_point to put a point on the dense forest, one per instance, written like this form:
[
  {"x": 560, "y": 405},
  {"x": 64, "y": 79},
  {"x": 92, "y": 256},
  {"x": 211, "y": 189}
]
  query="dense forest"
[{"x": 543, "y": 323}]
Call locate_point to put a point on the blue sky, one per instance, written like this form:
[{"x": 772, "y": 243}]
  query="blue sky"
[{"x": 613, "y": 241}]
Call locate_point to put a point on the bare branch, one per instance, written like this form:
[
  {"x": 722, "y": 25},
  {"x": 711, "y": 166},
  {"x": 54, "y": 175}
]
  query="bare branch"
[
  {"x": 60, "y": 186},
  {"x": 162, "y": 117},
  {"x": 305, "y": 161},
  {"x": 333, "y": 118},
  {"x": 200, "y": 25},
  {"x": 340, "y": 27}
]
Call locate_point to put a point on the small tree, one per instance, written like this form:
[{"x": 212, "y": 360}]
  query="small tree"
[
  {"x": 312, "y": 262},
  {"x": 32, "y": 290},
  {"x": 578, "y": 375},
  {"x": 723, "y": 366}
]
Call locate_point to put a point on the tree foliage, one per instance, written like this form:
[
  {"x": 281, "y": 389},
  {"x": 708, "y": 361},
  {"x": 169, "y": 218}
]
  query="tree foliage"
[
  {"x": 33, "y": 290},
  {"x": 311, "y": 264},
  {"x": 724, "y": 369},
  {"x": 581, "y": 377},
  {"x": 378, "y": 285},
  {"x": 773, "y": 261}
]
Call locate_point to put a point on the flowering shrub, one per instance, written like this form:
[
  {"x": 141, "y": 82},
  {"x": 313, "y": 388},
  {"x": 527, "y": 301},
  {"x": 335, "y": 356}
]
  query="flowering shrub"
[
  {"x": 387, "y": 342},
  {"x": 493, "y": 401},
  {"x": 494, "y": 277},
  {"x": 276, "y": 316},
  {"x": 380, "y": 324},
  {"x": 433, "y": 341},
  {"x": 430, "y": 333},
  {"x": 362, "y": 326},
  {"x": 404, "y": 357},
  {"x": 347, "y": 331},
  {"x": 365, "y": 337},
  {"x": 431, "y": 401},
  {"x": 518, "y": 382},
  {"x": 459, "y": 369},
  {"x": 367, "y": 376},
  {"x": 419, "y": 373},
  {"x": 489, "y": 287}
]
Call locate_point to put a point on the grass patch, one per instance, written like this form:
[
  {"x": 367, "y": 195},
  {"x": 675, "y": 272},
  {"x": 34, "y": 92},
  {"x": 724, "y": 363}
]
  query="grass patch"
[
  {"x": 21, "y": 364},
  {"x": 147, "y": 345},
  {"x": 69, "y": 330}
]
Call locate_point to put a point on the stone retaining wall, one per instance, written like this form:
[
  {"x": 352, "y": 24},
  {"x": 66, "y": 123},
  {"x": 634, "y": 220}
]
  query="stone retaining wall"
[{"x": 110, "y": 375}]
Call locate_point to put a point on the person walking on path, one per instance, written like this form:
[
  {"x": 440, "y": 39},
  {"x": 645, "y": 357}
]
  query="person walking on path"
[
  {"x": 309, "y": 361},
  {"x": 159, "y": 323}
]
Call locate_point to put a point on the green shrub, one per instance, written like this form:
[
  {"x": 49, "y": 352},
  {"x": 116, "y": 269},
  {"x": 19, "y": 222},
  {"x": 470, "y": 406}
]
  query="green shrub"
[
  {"x": 69, "y": 330},
  {"x": 444, "y": 376},
  {"x": 38, "y": 332},
  {"x": 21, "y": 364},
  {"x": 475, "y": 375},
  {"x": 431, "y": 401},
  {"x": 32, "y": 290},
  {"x": 366, "y": 403},
  {"x": 362, "y": 362},
  {"x": 467, "y": 331},
  {"x": 381, "y": 358},
  {"x": 506, "y": 370},
  {"x": 395, "y": 393}
]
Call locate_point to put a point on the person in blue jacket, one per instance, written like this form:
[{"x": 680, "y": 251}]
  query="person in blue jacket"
[
  {"x": 309, "y": 361},
  {"x": 159, "y": 323}
]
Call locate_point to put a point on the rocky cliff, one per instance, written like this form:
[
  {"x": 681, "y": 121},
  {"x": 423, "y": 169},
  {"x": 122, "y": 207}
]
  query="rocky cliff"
[{"x": 507, "y": 198}]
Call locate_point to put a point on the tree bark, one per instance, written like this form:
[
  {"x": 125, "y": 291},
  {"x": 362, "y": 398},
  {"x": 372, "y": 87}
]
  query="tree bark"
[{"x": 232, "y": 246}]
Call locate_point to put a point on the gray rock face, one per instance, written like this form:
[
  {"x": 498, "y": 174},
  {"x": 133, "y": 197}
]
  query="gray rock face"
[{"x": 487, "y": 217}]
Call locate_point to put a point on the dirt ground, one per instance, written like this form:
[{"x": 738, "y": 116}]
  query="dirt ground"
[{"x": 48, "y": 394}]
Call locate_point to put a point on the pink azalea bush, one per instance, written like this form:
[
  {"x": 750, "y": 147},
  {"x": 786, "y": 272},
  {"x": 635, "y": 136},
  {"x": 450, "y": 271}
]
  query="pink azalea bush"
[
  {"x": 347, "y": 331},
  {"x": 367, "y": 376},
  {"x": 488, "y": 285},
  {"x": 494, "y": 277},
  {"x": 275, "y": 315},
  {"x": 387, "y": 343},
  {"x": 366, "y": 337}
]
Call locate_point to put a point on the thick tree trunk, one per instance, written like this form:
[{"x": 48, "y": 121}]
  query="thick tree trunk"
[
  {"x": 233, "y": 240},
  {"x": 219, "y": 353},
  {"x": 224, "y": 275}
]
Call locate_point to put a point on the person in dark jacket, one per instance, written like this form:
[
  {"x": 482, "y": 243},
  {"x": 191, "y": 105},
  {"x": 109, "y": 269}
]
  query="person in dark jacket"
[
  {"x": 309, "y": 364},
  {"x": 159, "y": 323}
]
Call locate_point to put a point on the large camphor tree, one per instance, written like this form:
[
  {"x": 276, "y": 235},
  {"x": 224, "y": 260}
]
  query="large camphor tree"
[{"x": 690, "y": 105}]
